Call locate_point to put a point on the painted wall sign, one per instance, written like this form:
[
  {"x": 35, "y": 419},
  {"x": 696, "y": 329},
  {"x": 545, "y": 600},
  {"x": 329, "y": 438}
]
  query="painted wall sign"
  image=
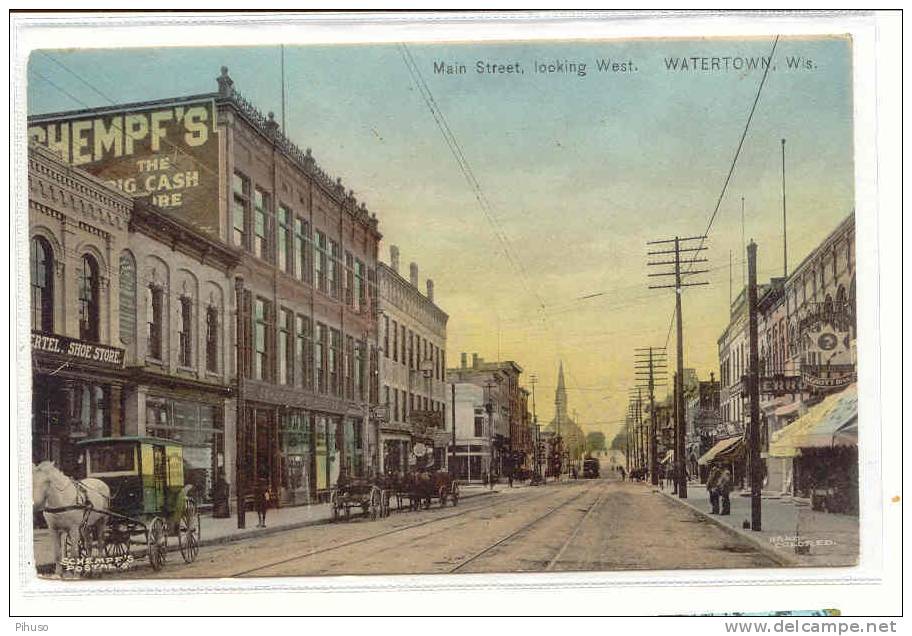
[{"x": 165, "y": 151}]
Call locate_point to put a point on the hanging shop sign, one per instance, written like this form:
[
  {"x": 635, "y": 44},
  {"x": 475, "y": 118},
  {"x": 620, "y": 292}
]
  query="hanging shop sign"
[
  {"x": 166, "y": 151},
  {"x": 72, "y": 350}
]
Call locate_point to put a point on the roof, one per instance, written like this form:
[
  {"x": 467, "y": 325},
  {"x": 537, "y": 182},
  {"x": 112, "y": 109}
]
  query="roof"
[
  {"x": 825, "y": 425},
  {"x": 130, "y": 438}
]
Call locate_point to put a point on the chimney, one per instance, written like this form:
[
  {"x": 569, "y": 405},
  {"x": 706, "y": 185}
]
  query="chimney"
[
  {"x": 430, "y": 290},
  {"x": 225, "y": 83},
  {"x": 474, "y": 360},
  {"x": 462, "y": 359},
  {"x": 413, "y": 274},
  {"x": 394, "y": 258},
  {"x": 272, "y": 126}
]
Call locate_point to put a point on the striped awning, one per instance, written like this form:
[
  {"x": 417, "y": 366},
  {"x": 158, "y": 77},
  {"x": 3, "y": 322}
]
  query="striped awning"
[
  {"x": 722, "y": 450},
  {"x": 833, "y": 422}
]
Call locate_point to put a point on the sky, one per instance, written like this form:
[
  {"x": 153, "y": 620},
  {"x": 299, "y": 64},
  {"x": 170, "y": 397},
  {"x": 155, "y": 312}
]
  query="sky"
[{"x": 579, "y": 172}]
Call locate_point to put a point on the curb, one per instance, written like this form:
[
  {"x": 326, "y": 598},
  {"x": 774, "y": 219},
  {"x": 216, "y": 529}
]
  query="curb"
[{"x": 766, "y": 550}]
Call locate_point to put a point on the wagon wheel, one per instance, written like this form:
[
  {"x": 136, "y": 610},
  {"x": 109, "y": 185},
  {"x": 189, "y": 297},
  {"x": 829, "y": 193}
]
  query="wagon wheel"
[
  {"x": 442, "y": 495},
  {"x": 455, "y": 493},
  {"x": 188, "y": 531},
  {"x": 157, "y": 539}
]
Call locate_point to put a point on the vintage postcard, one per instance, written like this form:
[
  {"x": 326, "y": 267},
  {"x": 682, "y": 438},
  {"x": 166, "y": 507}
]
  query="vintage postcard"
[{"x": 416, "y": 307}]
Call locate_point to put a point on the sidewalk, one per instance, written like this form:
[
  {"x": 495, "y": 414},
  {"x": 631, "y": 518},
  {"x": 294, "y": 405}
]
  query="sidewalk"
[
  {"x": 214, "y": 531},
  {"x": 832, "y": 539}
]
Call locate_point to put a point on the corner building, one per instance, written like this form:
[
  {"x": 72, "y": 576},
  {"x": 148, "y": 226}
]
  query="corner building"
[{"x": 300, "y": 349}]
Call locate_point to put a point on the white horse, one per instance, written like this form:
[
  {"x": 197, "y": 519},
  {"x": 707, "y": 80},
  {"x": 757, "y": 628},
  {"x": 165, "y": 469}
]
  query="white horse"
[{"x": 69, "y": 507}]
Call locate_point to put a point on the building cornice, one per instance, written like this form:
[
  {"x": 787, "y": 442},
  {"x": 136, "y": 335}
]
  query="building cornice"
[
  {"x": 388, "y": 273},
  {"x": 182, "y": 236}
]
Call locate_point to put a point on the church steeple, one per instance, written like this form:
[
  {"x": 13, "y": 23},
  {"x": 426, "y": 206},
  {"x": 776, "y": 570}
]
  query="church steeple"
[{"x": 560, "y": 397}]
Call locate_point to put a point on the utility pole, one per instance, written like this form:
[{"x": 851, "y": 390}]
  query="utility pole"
[
  {"x": 453, "y": 418},
  {"x": 241, "y": 415},
  {"x": 785, "y": 260},
  {"x": 679, "y": 286},
  {"x": 533, "y": 380},
  {"x": 754, "y": 389},
  {"x": 651, "y": 366}
]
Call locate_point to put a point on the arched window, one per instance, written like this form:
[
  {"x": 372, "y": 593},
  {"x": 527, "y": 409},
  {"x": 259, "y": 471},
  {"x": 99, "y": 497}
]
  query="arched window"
[
  {"x": 127, "y": 298},
  {"x": 42, "y": 281},
  {"x": 89, "y": 313}
]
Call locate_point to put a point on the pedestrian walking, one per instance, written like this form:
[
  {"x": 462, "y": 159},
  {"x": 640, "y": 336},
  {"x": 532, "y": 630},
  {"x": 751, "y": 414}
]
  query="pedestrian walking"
[
  {"x": 262, "y": 497},
  {"x": 623, "y": 473},
  {"x": 712, "y": 481},
  {"x": 724, "y": 487}
]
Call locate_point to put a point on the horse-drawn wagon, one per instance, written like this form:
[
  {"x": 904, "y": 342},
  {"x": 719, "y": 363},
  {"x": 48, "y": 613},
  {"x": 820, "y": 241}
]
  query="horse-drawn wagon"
[
  {"x": 365, "y": 494},
  {"x": 132, "y": 500}
]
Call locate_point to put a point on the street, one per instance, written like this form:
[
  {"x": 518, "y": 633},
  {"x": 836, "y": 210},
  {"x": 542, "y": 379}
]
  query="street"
[{"x": 569, "y": 526}]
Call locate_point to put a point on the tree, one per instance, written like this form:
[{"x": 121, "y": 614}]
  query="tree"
[{"x": 595, "y": 441}]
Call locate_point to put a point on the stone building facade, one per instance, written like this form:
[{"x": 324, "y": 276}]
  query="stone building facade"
[
  {"x": 412, "y": 370},
  {"x": 301, "y": 308}
]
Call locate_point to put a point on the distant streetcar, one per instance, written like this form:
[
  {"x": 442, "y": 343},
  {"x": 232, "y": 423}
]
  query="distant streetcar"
[{"x": 591, "y": 468}]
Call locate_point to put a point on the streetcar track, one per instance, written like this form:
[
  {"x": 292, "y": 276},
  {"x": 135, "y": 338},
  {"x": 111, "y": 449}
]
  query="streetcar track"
[
  {"x": 576, "y": 530},
  {"x": 352, "y": 542},
  {"x": 516, "y": 532}
]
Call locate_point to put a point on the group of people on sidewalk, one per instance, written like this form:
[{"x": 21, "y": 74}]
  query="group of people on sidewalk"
[{"x": 719, "y": 483}]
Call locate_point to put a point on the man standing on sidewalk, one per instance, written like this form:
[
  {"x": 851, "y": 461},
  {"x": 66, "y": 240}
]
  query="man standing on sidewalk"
[
  {"x": 712, "y": 482},
  {"x": 724, "y": 487}
]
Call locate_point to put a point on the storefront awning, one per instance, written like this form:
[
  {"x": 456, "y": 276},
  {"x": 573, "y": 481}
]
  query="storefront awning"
[
  {"x": 830, "y": 423},
  {"x": 721, "y": 450},
  {"x": 787, "y": 409}
]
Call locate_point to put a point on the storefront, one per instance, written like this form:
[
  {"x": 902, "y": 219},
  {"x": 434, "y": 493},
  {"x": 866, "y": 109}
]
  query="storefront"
[
  {"x": 296, "y": 457},
  {"x": 396, "y": 449},
  {"x": 822, "y": 446},
  {"x": 77, "y": 394},
  {"x": 199, "y": 426}
]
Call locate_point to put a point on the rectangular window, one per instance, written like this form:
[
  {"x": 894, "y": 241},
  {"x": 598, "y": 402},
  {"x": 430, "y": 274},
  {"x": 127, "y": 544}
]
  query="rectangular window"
[
  {"x": 240, "y": 210},
  {"x": 395, "y": 405},
  {"x": 372, "y": 291},
  {"x": 360, "y": 360},
  {"x": 284, "y": 351},
  {"x": 349, "y": 280},
  {"x": 303, "y": 353},
  {"x": 320, "y": 344},
  {"x": 335, "y": 269},
  {"x": 360, "y": 301},
  {"x": 404, "y": 359},
  {"x": 282, "y": 241},
  {"x": 411, "y": 349},
  {"x": 395, "y": 342},
  {"x": 185, "y": 357},
  {"x": 349, "y": 367},
  {"x": 335, "y": 362},
  {"x": 479, "y": 423},
  {"x": 386, "y": 336},
  {"x": 155, "y": 299},
  {"x": 261, "y": 225},
  {"x": 373, "y": 374},
  {"x": 261, "y": 328},
  {"x": 320, "y": 260},
  {"x": 212, "y": 334}
]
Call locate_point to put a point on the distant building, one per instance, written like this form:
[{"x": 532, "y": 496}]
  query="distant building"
[
  {"x": 562, "y": 424},
  {"x": 504, "y": 404}
]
